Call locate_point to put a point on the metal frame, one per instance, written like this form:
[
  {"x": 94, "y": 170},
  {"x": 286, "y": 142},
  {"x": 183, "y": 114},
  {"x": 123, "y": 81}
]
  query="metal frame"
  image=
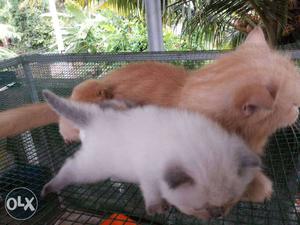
[
  {"x": 125, "y": 57},
  {"x": 154, "y": 25}
]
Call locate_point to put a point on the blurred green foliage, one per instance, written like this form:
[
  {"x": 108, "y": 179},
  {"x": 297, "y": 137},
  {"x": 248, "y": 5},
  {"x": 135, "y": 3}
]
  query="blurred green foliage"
[
  {"x": 105, "y": 31},
  {"x": 92, "y": 29},
  {"x": 30, "y": 30}
]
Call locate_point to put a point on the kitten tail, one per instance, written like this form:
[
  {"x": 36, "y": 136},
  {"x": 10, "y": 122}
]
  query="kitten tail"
[{"x": 78, "y": 113}]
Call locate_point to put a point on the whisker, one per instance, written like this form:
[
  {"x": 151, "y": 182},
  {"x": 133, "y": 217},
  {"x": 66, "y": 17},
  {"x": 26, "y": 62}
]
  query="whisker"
[
  {"x": 296, "y": 126},
  {"x": 295, "y": 136}
]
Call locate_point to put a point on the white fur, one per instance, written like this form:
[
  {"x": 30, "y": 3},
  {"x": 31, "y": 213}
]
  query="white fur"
[{"x": 137, "y": 146}]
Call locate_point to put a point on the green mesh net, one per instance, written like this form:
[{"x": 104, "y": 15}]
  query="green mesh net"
[{"x": 33, "y": 157}]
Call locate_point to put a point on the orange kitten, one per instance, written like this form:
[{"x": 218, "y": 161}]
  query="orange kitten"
[{"x": 252, "y": 91}]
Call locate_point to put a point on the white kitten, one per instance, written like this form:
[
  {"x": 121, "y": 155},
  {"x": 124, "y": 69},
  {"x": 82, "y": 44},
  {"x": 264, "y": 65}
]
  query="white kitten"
[{"x": 177, "y": 157}]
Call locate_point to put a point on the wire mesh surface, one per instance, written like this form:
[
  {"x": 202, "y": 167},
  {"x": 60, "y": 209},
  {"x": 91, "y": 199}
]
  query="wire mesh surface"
[{"x": 32, "y": 158}]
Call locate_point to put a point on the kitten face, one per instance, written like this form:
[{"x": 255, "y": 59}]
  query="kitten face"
[
  {"x": 280, "y": 80},
  {"x": 271, "y": 98},
  {"x": 205, "y": 204},
  {"x": 252, "y": 91},
  {"x": 213, "y": 193}
]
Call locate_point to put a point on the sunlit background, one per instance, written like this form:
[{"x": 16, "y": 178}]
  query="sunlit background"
[{"x": 27, "y": 26}]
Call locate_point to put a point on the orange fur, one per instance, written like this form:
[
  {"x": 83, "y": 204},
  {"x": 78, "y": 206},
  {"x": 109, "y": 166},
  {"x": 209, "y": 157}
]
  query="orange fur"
[
  {"x": 252, "y": 91},
  {"x": 16, "y": 121},
  {"x": 252, "y": 76}
]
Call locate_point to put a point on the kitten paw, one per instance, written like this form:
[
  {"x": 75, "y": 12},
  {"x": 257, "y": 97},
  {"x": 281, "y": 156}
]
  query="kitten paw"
[
  {"x": 48, "y": 188},
  {"x": 160, "y": 207},
  {"x": 259, "y": 190},
  {"x": 68, "y": 141},
  {"x": 267, "y": 188}
]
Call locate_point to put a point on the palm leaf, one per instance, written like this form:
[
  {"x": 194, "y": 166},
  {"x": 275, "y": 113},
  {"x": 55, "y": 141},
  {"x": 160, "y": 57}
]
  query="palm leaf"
[
  {"x": 215, "y": 20},
  {"x": 126, "y": 7}
]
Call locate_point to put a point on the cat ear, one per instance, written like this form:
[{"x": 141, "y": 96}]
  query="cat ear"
[
  {"x": 248, "y": 160},
  {"x": 253, "y": 98},
  {"x": 256, "y": 37},
  {"x": 176, "y": 176},
  {"x": 107, "y": 93}
]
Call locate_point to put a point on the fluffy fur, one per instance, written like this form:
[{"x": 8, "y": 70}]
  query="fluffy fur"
[
  {"x": 253, "y": 91},
  {"x": 199, "y": 167}
]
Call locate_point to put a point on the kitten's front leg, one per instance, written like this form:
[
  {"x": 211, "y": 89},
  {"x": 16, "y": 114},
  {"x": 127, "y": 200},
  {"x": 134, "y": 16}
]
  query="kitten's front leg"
[
  {"x": 154, "y": 203},
  {"x": 64, "y": 178},
  {"x": 79, "y": 169}
]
